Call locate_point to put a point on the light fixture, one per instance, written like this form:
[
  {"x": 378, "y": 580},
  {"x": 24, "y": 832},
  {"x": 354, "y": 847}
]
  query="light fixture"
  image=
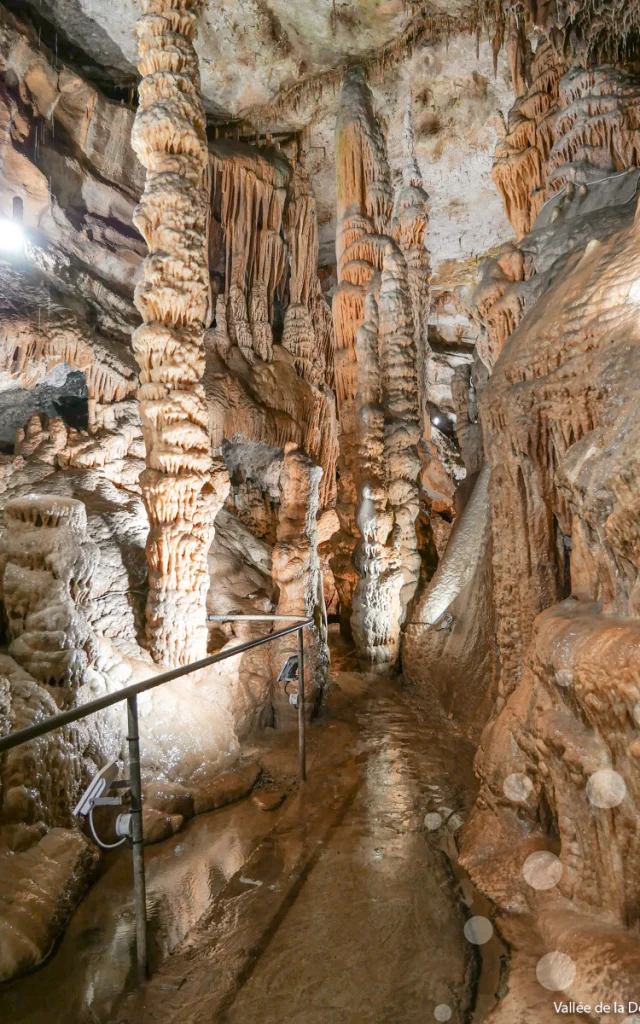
[
  {"x": 12, "y": 237},
  {"x": 289, "y": 674},
  {"x": 95, "y": 796}
]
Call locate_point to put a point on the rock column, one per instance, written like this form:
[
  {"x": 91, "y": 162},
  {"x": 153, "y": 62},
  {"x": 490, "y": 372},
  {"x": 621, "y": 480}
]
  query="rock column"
[
  {"x": 182, "y": 486},
  {"x": 380, "y": 312}
]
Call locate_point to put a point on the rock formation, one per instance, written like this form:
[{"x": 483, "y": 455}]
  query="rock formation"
[
  {"x": 597, "y": 127},
  {"x": 409, "y": 226},
  {"x": 378, "y": 316},
  {"x": 557, "y": 764},
  {"x": 567, "y": 688},
  {"x": 252, "y": 192},
  {"x": 447, "y": 644},
  {"x": 296, "y": 571},
  {"x": 521, "y": 158},
  {"x": 182, "y": 487},
  {"x": 48, "y": 561},
  {"x": 308, "y": 329}
]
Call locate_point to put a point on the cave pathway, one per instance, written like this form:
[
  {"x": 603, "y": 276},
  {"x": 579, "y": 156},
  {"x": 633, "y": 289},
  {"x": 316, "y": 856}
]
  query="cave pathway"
[
  {"x": 348, "y": 912},
  {"x": 342, "y": 907}
]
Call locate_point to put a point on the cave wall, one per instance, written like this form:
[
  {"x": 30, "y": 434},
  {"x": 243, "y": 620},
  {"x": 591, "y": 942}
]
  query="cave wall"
[{"x": 558, "y": 760}]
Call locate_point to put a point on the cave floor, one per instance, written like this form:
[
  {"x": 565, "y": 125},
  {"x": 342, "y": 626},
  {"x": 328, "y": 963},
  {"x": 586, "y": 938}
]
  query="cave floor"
[{"x": 340, "y": 907}]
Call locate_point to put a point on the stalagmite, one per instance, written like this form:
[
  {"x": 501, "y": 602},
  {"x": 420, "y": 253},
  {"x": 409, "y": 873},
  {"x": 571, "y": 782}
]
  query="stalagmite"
[
  {"x": 182, "y": 486},
  {"x": 364, "y": 208},
  {"x": 410, "y": 221},
  {"x": 296, "y": 570},
  {"x": 375, "y": 619},
  {"x": 401, "y": 420},
  {"x": 378, "y": 319}
]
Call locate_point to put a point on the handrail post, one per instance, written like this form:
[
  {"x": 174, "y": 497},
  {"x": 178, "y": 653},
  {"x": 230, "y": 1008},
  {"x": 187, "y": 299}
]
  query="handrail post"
[
  {"x": 137, "y": 839},
  {"x": 302, "y": 740}
]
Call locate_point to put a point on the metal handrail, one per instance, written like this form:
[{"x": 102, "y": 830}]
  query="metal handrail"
[
  {"x": 32, "y": 732},
  {"x": 130, "y": 694}
]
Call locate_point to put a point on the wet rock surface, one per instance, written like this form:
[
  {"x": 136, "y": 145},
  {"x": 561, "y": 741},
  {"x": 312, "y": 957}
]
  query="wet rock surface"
[
  {"x": 347, "y": 911},
  {"x": 341, "y": 905}
]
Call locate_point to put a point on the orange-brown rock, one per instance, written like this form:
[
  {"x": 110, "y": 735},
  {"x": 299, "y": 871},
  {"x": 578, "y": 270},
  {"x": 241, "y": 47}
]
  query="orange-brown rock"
[
  {"x": 182, "y": 487},
  {"x": 558, "y": 762},
  {"x": 521, "y": 158}
]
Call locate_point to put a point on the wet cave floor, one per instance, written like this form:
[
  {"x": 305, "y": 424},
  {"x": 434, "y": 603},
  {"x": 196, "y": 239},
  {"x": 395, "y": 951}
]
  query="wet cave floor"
[{"x": 341, "y": 906}]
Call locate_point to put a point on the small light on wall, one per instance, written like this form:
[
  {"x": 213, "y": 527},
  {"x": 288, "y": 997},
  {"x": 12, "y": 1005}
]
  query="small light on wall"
[
  {"x": 289, "y": 674},
  {"x": 12, "y": 236}
]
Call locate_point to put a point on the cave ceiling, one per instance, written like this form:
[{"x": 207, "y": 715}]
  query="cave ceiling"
[
  {"x": 276, "y": 65},
  {"x": 250, "y": 50}
]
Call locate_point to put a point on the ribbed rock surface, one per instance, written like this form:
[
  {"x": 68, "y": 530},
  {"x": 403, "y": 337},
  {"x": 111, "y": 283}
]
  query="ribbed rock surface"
[{"x": 182, "y": 487}]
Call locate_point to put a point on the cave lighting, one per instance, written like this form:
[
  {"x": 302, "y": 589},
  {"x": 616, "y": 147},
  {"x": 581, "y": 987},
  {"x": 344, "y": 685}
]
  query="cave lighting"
[{"x": 11, "y": 235}]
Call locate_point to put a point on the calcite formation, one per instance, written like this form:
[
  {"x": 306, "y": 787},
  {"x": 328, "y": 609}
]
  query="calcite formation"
[
  {"x": 447, "y": 465},
  {"x": 182, "y": 486},
  {"x": 364, "y": 209},
  {"x": 265, "y": 243},
  {"x": 557, "y": 762},
  {"x": 297, "y": 573},
  {"x": 409, "y": 227},
  {"x": 568, "y": 128},
  {"x": 48, "y": 561},
  {"x": 308, "y": 329},
  {"x": 447, "y": 645},
  {"x": 251, "y": 191},
  {"x": 378, "y": 318},
  {"x": 521, "y": 158},
  {"x": 597, "y": 127}
]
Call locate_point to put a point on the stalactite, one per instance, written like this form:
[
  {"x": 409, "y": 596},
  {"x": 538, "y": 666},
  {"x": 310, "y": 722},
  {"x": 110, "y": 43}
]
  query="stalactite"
[
  {"x": 269, "y": 230},
  {"x": 521, "y": 157},
  {"x": 252, "y": 191},
  {"x": 518, "y": 50},
  {"x": 596, "y": 126},
  {"x": 182, "y": 487},
  {"x": 308, "y": 330},
  {"x": 364, "y": 208}
]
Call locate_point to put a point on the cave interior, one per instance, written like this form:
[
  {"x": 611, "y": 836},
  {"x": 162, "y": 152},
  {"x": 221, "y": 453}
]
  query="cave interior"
[{"x": 320, "y": 313}]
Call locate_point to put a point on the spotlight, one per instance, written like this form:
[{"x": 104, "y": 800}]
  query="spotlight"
[
  {"x": 11, "y": 235},
  {"x": 11, "y": 230},
  {"x": 95, "y": 796},
  {"x": 289, "y": 674}
]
